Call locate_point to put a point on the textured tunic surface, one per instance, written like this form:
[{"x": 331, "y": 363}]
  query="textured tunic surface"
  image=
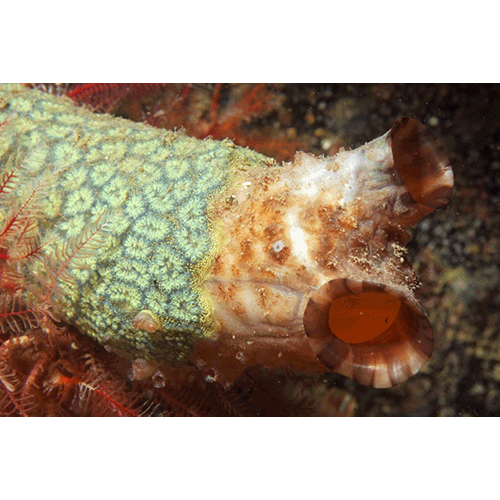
[{"x": 131, "y": 204}]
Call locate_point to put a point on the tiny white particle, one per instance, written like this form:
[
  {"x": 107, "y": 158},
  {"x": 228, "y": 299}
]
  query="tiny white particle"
[
  {"x": 278, "y": 246},
  {"x": 433, "y": 121},
  {"x": 326, "y": 144}
]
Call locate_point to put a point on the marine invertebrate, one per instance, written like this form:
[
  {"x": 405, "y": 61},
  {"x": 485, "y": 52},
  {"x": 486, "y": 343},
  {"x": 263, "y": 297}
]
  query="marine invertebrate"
[
  {"x": 315, "y": 273},
  {"x": 218, "y": 111},
  {"x": 218, "y": 256}
]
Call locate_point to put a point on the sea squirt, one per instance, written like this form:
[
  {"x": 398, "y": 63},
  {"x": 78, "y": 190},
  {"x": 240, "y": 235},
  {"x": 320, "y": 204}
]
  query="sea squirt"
[
  {"x": 314, "y": 270},
  {"x": 186, "y": 252}
]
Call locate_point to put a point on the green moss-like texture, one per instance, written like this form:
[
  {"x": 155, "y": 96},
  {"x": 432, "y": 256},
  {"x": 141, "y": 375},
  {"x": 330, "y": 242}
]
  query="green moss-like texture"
[{"x": 155, "y": 188}]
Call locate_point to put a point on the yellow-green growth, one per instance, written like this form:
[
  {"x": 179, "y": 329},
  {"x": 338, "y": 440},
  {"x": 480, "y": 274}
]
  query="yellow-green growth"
[{"x": 143, "y": 197}]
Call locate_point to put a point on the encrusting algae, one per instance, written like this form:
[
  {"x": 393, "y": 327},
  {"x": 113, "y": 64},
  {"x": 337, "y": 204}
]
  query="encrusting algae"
[{"x": 171, "y": 249}]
